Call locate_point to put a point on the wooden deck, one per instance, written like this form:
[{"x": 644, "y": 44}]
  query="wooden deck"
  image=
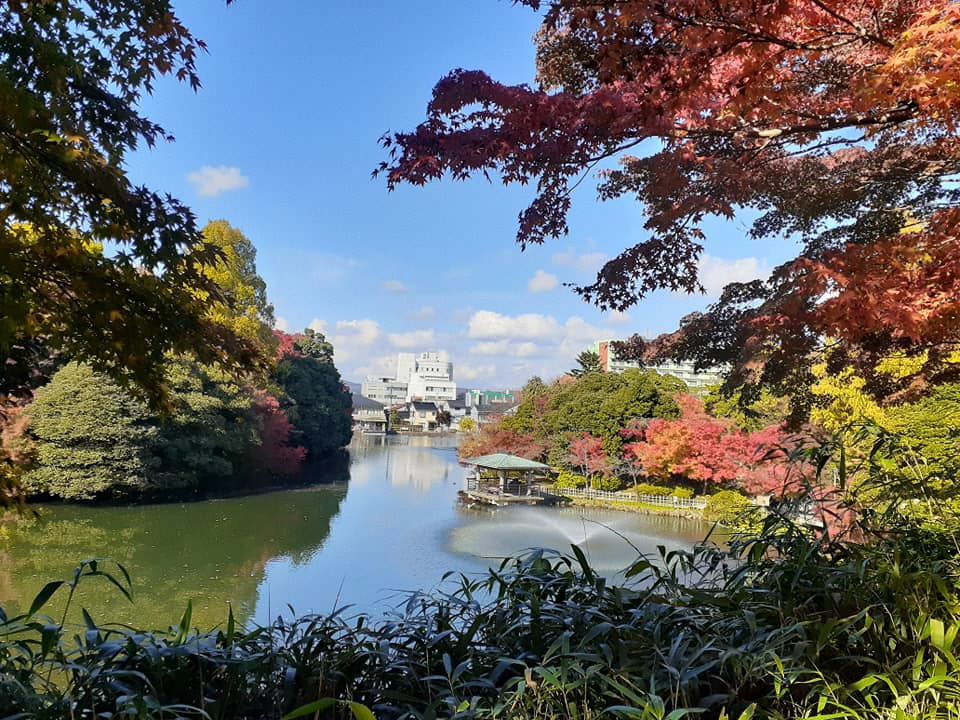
[{"x": 499, "y": 499}]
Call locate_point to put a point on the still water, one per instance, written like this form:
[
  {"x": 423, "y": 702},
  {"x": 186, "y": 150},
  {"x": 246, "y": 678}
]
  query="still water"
[{"x": 393, "y": 526}]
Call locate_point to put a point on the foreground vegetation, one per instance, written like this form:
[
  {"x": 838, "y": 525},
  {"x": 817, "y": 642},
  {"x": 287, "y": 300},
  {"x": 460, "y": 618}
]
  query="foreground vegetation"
[{"x": 781, "y": 625}]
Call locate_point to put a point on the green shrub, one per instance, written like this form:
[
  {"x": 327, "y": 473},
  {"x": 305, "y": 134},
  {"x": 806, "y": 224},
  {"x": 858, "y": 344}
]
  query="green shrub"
[
  {"x": 610, "y": 483},
  {"x": 682, "y": 492},
  {"x": 793, "y": 627},
  {"x": 730, "y": 508},
  {"x": 651, "y": 489},
  {"x": 567, "y": 479}
]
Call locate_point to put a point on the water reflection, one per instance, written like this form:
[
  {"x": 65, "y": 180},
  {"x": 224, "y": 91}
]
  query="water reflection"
[
  {"x": 210, "y": 553},
  {"x": 395, "y": 526}
]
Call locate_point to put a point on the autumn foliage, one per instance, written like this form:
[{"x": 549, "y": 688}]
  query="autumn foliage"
[
  {"x": 832, "y": 122},
  {"x": 587, "y": 454},
  {"x": 712, "y": 452},
  {"x": 276, "y": 454},
  {"x": 492, "y": 438},
  {"x": 681, "y": 444}
]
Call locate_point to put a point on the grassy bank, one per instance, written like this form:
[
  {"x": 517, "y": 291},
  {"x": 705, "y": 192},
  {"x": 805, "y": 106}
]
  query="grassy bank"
[{"x": 637, "y": 507}]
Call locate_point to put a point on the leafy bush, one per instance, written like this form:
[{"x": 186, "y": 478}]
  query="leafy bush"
[
  {"x": 607, "y": 483},
  {"x": 567, "y": 479},
  {"x": 730, "y": 508},
  {"x": 651, "y": 489},
  {"x": 682, "y": 492}
]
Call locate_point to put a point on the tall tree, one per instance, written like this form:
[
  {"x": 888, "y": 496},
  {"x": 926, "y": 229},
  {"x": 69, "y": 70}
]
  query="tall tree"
[
  {"x": 314, "y": 344},
  {"x": 587, "y": 362},
  {"x": 242, "y": 305},
  {"x": 72, "y": 75},
  {"x": 833, "y": 122},
  {"x": 93, "y": 440},
  {"x": 315, "y": 398}
]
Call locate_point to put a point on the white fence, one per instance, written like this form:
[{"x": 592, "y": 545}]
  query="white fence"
[{"x": 661, "y": 500}]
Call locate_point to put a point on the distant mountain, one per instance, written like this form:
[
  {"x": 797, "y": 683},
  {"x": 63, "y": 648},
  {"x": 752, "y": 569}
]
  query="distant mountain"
[{"x": 354, "y": 386}]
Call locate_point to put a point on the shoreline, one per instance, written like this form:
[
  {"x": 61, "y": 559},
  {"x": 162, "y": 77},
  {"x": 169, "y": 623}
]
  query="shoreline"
[
  {"x": 637, "y": 508},
  {"x": 11, "y": 517}
]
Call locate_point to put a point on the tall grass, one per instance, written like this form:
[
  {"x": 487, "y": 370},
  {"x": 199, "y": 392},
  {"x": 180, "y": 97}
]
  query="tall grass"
[{"x": 785, "y": 625}]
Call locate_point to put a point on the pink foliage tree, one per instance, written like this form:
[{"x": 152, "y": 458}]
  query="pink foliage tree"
[
  {"x": 711, "y": 451},
  {"x": 586, "y": 453},
  {"x": 276, "y": 455}
]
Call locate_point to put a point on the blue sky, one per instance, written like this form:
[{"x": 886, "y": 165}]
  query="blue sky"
[{"x": 281, "y": 140}]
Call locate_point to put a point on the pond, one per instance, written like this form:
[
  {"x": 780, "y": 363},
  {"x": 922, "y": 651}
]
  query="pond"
[{"x": 394, "y": 526}]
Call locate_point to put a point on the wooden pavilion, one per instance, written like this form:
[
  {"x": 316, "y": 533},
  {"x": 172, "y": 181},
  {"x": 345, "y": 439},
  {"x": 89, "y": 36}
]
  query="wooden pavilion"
[{"x": 501, "y": 479}]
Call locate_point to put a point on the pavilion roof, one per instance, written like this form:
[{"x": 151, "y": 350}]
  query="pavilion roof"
[{"x": 504, "y": 461}]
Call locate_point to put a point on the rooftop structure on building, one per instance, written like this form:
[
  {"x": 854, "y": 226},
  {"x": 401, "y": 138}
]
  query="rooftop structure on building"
[
  {"x": 427, "y": 376},
  {"x": 697, "y": 380}
]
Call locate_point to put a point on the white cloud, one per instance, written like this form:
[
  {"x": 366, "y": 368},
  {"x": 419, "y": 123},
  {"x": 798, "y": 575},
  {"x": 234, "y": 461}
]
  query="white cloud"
[
  {"x": 415, "y": 339},
  {"x": 394, "y": 286},
  {"x": 362, "y": 332},
  {"x": 579, "y": 330},
  {"x": 380, "y": 365},
  {"x": 486, "y": 324},
  {"x": 353, "y": 340},
  {"x": 282, "y": 324},
  {"x": 318, "y": 325},
  {"x": 617, "y": 317},
  {"x": 542, "y": 282},
  {"x": 583, "y": 263},
  {"x": 716, "y": 272},
  {"x": 494, "y": 347},
  {"x": 475, "y": 372},
  {"x": 506, "y": 348},
  {"x": 211, "y": 181},
  {"x": 525, "y": 349}
]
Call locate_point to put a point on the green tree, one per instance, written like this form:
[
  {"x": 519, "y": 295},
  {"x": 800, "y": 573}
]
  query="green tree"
[
  {"x": 601, "y": 404},
  {"x": 314, "y": 345},
  {"x": 468, "y": 425},
  {"x": 929, "y": 456},
  {"x": 205, "y": 443},
  {"x": 317, "y": 403},
  {"x": 92, "y": 439},
  {"x": 588, "y": 361},
  {"x": 530, "y": 409},
  {"x": 764, "y": 411},
  {"x": 242, "y": 305}
]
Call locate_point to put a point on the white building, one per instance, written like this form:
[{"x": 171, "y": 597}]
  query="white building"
[
  {"x": 425, "y": 377},
  {"x": 431, "y": 377},
  {"x": 386, "y": 390},
  {"x": 696, "y": 380}
]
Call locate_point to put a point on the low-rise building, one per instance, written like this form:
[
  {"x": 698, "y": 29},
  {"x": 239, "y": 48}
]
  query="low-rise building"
[
  {"x": 385, "y": 390},
  {"x": 422, "y": 415},
  {"x": 368, "y": 415}
]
